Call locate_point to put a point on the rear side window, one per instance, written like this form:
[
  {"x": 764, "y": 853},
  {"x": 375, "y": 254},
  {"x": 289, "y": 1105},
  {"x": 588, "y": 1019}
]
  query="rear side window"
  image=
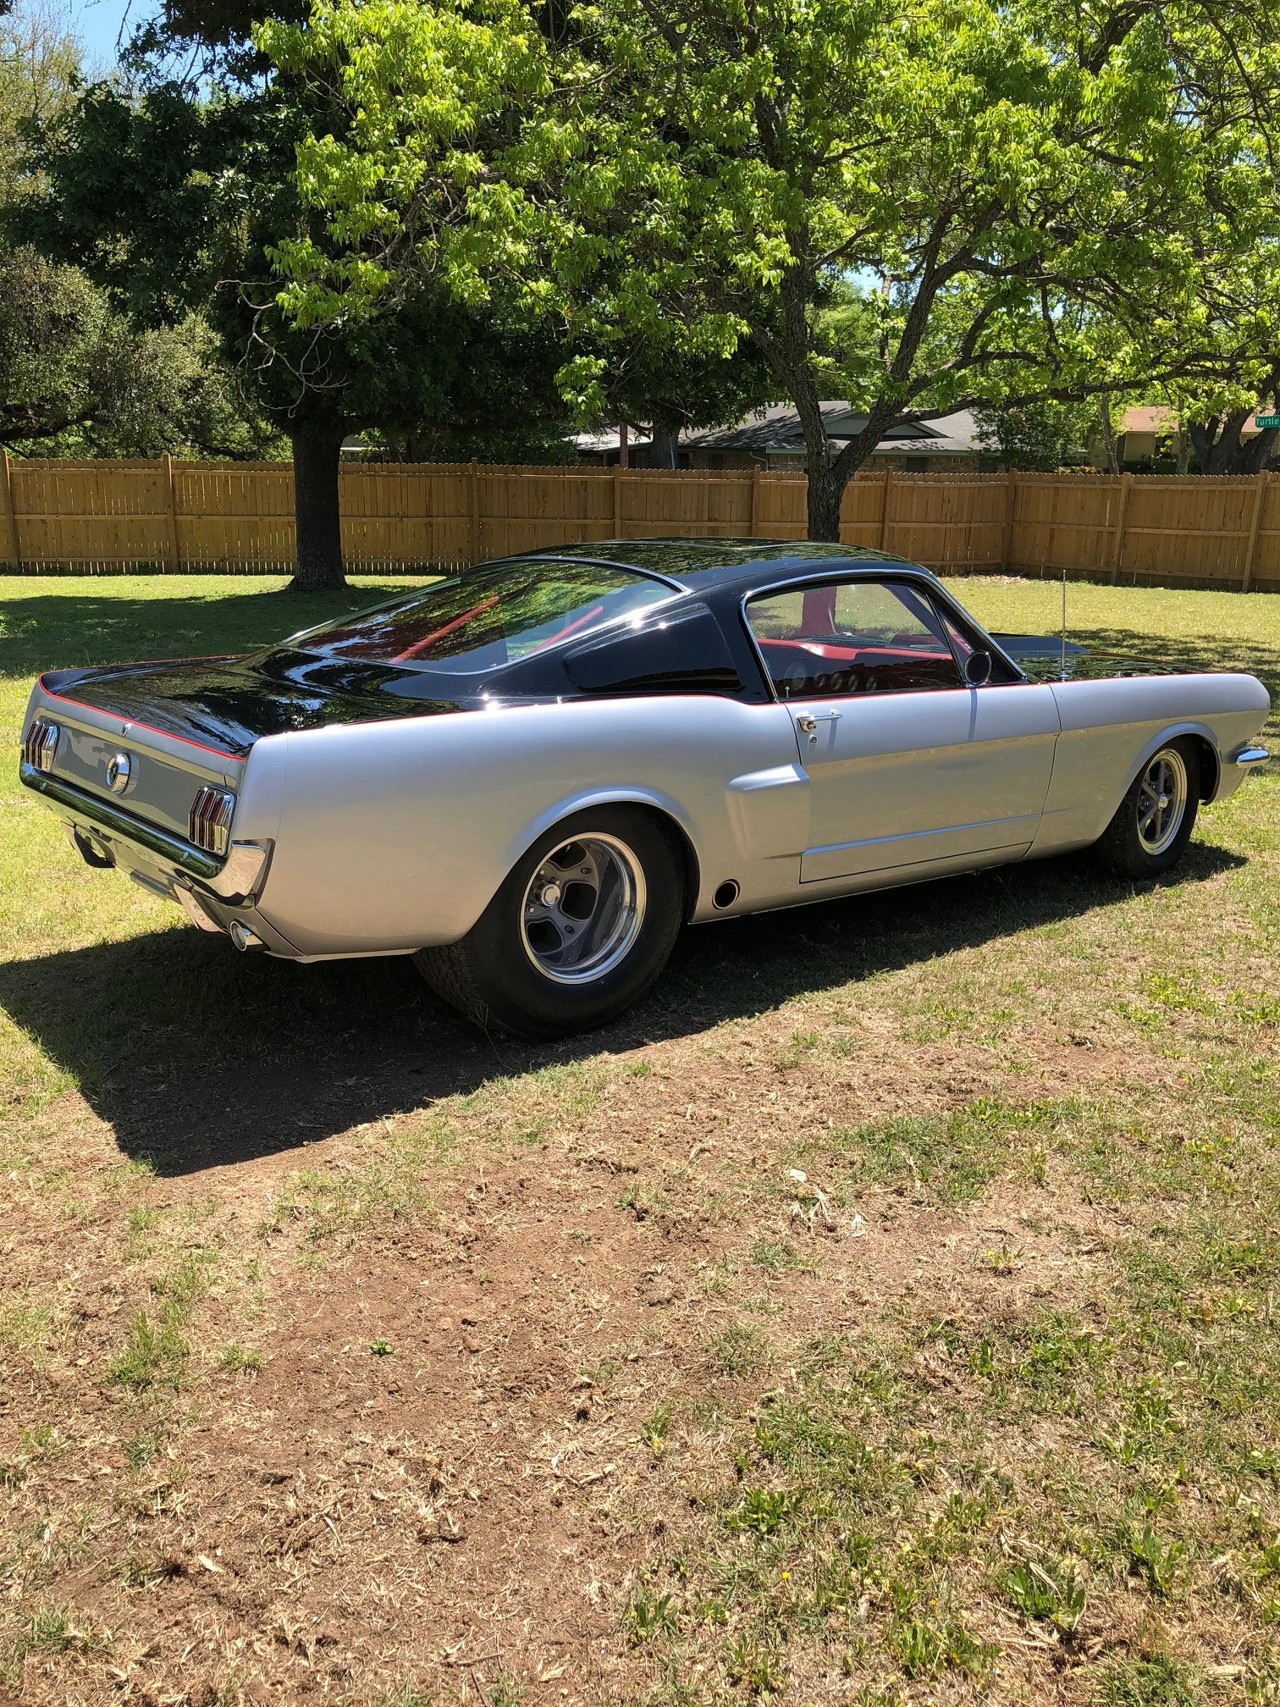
[{"x": 487, "y": 617}]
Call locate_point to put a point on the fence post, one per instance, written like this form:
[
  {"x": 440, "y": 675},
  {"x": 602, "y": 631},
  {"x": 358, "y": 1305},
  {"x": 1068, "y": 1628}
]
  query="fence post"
[
  {"x": 1010, "y": 507},
  {"x": 1250, "y": 550},
  {"x": 754, "y": 522},
  {"x": 617, "y": 500},
  {"x": 884, "y": 510},
  {"x": 174, "y": 555},
  {"x": 474, "y": 495},
  {"x": 9, "y": 554},
  {"x": 1117, "y": 543}
]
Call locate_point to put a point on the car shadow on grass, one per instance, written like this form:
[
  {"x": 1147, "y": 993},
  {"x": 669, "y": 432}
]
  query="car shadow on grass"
[{"x": 199, "y": 1057}]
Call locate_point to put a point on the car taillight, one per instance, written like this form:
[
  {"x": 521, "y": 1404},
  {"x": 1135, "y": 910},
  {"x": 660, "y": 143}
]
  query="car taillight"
[
  {"x": 209, "y": 820},
  {"x": 40, "y": 744}
]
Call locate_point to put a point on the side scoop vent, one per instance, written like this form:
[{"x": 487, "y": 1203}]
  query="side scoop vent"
[{"x": 209, "y": 821}]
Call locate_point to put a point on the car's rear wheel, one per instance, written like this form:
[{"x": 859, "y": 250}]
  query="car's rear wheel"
[
  {"x": 578, "y": 931},
  {"x": 1154, "y": 821}
]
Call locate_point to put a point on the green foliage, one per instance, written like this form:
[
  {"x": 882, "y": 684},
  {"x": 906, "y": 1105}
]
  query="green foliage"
[
  {"x": 546, "y": 445},
  {"x": 1240, "y": 310},
  {"x": 650, "y": 1616},
  {"x": 1045, "y": 436},
  {"x": 182, "y": 198},
  {"x": 237, "y": 1360},
  {"x": 1155, "y": 1560},
  {"x": 179, "y": 204},
  {"x": 926, "y": 1649},
  {"x": 977, "y": 189},
  {"x": 39, "y": 62},
  {"x": 77, "y": 380},
  {"x": 156, "y": 1350},
  {"x": 154, "y": 1354},
  {"x": 740, "y": 1349},
  {"x": 763, "y": 1510},
  {"x": 1047, "y": 1591},
  {"x": 654, "y": 376},
  {"x": 1152, "y": 1681}
]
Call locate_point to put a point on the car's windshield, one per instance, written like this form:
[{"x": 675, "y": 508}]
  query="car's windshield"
[{"x": 489, "y": 616}]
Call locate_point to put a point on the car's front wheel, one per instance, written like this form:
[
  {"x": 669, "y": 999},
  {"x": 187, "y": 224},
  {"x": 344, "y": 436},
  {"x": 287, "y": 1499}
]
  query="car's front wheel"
[
  {"x": 1154, "y": 821},
  {"x": 579, "y": 930}
]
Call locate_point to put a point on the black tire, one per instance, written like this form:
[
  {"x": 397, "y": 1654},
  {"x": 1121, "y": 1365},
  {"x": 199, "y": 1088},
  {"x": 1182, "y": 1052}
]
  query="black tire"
[
  {"x": 508, "y": 973},
  {"x": 1146, "y": 838}
]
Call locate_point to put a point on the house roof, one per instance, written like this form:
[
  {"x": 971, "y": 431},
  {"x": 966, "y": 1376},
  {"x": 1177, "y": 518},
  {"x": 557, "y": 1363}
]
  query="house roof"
[
  {"x": 1155, "y": 419},
  {"x": 607, "y": 439},
  {"x": 776, "y": 431},
  {"x": 1145, "y": 419}
]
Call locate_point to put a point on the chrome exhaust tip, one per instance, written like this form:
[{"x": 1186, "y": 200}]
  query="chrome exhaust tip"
[{"x": 243, "y": 938}]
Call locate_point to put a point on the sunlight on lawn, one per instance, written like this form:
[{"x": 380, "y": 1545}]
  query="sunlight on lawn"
[{"x": 882, "y": 1313}]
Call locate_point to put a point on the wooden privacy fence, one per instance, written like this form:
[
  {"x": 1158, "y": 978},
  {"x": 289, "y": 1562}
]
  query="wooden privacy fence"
[{"x": 1155, "y": 529}]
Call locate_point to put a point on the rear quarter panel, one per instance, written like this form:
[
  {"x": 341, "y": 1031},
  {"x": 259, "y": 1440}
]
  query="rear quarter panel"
[
  {"x": 1111, "y": 727},
  {"x": 396, "y": 835}
]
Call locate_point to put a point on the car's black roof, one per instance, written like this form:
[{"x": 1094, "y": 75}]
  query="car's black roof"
[{"x": 697, "y": 564}]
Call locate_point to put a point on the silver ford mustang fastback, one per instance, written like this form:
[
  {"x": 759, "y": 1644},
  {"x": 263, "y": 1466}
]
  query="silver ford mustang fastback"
[{"x": 530, "y": 775}]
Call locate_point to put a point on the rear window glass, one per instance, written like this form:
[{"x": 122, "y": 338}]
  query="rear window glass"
[{"x": 489, "y": 616}]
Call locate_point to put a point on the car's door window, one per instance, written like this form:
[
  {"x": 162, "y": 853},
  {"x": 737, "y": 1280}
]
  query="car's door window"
[{"x": 852, "y": 637}]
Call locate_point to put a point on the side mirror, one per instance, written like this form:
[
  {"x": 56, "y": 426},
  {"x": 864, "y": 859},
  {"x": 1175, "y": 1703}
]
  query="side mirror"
[{"x": 977, "y": 669}]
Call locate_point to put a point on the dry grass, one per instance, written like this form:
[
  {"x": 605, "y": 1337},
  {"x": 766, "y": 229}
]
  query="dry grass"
[{"x": 883, "y": 1313}]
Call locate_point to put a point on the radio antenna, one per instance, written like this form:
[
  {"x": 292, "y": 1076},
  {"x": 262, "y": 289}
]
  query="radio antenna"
[{"x": 1062, "y": 651}]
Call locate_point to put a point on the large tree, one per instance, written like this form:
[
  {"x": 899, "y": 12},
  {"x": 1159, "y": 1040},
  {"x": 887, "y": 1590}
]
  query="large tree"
[
  {"x": 656, "y": 380},
  {"x": 39, "y": 63},
  {"x": 1241, "y": 304},
  {"x": 181, "y": 194},
  {"x": 76, "y": 378},
  {"x": 990, "y": 183}
]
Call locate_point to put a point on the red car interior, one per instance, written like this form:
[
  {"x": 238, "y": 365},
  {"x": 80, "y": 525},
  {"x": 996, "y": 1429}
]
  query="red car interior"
[{"x": 802, "y": 668}]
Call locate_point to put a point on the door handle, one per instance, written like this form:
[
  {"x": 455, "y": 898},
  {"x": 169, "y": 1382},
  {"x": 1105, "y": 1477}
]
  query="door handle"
[{"x": 807, "y": 722}]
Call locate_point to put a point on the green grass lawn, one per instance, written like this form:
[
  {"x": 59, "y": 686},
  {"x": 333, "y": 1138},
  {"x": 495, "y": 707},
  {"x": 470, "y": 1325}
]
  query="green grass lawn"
[{"x": 884, "y": 1313}]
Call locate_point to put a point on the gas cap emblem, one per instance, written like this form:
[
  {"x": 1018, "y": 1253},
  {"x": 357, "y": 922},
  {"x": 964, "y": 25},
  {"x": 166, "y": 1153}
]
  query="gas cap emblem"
[{"x": 119, "y": 770}]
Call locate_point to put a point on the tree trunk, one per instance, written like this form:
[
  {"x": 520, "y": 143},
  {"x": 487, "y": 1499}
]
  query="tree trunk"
[
  {"x": 1256, "y": 452},
  {"x": 1110, "y": 446},
  {"x": 1200, "y": 434},
  {"x": 662, "y": 446},
  {"x": 842, "y": 470},
  {"x": 315, "y": 508},
  {"x": 1219, "y": 446},
  {"x": 825, "y": 493}
]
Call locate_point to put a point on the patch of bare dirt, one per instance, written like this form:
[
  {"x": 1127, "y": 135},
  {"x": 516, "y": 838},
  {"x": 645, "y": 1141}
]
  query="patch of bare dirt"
[{"x": 437, "y": 1477}]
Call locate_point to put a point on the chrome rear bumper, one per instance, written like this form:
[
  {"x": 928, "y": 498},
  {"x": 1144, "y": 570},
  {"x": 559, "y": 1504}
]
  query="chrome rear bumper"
[
  {"x": 118, "y": 825},
  {"x": 100, "y": 830}
]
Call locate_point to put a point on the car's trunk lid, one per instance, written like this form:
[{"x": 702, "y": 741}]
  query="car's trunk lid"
[{"x": 193, "y": 722}]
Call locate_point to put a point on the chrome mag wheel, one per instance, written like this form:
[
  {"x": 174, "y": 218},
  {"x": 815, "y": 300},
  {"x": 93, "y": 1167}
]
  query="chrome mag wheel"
[
  {"x": 1162, "y": 800},
  {"x": 583, "y": 909}
]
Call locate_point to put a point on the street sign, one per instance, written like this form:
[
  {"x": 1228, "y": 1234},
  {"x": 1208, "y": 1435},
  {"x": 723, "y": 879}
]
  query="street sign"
[{"x": 1265, "y": 421}]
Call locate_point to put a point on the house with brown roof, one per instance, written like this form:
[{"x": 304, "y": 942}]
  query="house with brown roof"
[{"x": 1148, "y": 434}]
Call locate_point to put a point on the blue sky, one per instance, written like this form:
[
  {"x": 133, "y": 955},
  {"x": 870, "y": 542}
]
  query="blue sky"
[{"x": 98, "y": 25}]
